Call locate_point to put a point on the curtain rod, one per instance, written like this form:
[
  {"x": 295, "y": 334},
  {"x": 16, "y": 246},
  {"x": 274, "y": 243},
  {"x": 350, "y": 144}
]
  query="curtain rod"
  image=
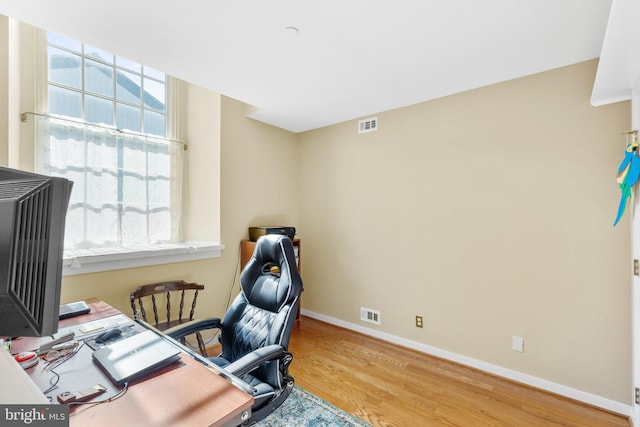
[{"x": 23, "y": 119}]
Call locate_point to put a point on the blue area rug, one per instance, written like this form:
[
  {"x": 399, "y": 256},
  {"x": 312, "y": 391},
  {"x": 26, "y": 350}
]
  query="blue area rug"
[{"x": 303, "y": 409}]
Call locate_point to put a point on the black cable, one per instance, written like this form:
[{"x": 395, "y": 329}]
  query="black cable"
[
  {"x": 233, "y": 284},
  {"x": 118, "y": 395},
  {"x": 55, "y": 383},
  {"x": 56, "y": 363},
  {"x": 235, "y": 274}
]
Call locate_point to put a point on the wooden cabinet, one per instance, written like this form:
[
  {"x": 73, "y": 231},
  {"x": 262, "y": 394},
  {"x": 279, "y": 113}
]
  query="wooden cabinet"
[{"x": 246, "y": 251}]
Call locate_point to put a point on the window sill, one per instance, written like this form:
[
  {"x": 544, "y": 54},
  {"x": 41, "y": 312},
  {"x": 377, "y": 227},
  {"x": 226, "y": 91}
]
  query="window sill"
[{"x": 105, "y": 259}]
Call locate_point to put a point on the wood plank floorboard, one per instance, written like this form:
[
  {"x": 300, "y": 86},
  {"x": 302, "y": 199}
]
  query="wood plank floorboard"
[{"x": 388, "y": 385}]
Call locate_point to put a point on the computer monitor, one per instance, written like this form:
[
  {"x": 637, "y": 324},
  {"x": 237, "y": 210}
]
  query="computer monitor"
[{"x": 33, "y": 210}]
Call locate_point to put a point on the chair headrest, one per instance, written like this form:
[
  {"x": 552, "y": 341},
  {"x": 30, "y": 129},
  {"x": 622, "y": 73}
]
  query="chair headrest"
[{"x": 271, "y": 278}]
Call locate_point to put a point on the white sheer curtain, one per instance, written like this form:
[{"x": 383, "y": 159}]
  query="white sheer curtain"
[{"x": 127, "y": 187}]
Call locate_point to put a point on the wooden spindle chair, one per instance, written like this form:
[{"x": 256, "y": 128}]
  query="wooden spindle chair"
[{"x": 178, "y": 288}]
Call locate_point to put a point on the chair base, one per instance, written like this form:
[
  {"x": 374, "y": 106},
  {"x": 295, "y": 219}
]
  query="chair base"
[{"x": 271, "y": 405}]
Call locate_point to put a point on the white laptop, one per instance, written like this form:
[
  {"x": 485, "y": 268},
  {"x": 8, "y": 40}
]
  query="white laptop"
[{"x": 135, "y": 357}]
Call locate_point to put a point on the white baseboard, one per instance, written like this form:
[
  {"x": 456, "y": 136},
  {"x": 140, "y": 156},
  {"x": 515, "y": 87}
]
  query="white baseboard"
[{"x": 520, "y": 377}]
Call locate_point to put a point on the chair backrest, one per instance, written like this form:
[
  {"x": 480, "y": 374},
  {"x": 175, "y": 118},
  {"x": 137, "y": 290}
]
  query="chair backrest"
[
  {"x": 182, "y": 291},
  {"x": 264, "y": 311}
]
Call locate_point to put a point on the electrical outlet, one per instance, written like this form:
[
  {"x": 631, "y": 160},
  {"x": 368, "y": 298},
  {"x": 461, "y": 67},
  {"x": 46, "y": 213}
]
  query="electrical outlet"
[
  {"x": 517, "y": 344},
  {"x": 419, "y": 323}
]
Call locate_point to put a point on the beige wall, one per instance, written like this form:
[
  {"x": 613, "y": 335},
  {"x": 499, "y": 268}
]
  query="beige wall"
[
  {"x": 224, "y": 146},
  {"x": 16, "y": 94},
  {"x": 201, "y": 110},
  {"x": 490, "y": 214},
  {"x": 4, "y": 89},
  {"x": 253, "y": 192}
]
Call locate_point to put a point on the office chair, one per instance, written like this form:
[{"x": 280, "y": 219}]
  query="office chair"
[
  {"x": 257, "y": 326},
  {"x": 146, "y": 294}
]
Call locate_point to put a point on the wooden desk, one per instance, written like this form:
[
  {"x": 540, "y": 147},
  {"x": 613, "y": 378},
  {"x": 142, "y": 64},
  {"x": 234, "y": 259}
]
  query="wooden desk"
[{"x": 185, "y": 393}]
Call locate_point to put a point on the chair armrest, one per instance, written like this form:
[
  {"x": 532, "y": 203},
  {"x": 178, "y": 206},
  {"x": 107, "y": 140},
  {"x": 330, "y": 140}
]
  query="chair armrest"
[
  {"x": 252, "y": 360},
  {"x": 192, "y": 327}
]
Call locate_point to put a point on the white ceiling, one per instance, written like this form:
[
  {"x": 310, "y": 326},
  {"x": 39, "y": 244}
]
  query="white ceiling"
[{"x": 349, "y": 58}]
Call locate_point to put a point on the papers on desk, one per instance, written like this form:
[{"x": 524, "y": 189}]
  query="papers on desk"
[
  {"x": 88, "y": 329},
  {"x": 70, "y": 335}
]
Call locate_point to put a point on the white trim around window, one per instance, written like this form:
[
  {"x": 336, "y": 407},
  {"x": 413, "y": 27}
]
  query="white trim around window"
[{"x": 106, "y": 259}]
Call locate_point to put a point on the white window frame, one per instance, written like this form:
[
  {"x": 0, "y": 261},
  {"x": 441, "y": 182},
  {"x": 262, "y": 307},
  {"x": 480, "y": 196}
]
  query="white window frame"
[
  {"x": 107, "y": 259},
  {"x": 93, "y": 261}
]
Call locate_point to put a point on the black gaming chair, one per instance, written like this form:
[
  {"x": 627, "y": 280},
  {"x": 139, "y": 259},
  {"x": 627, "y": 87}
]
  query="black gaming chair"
[{"x": 256, "y": 328}]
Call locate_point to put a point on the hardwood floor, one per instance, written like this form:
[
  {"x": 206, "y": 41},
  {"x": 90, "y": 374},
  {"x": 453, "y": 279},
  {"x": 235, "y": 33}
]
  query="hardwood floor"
[{"x": 387, "y": 385}]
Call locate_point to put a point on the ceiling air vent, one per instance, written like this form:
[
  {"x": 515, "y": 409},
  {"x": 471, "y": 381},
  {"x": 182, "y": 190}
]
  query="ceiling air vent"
[{"x": 368, "y": 125}]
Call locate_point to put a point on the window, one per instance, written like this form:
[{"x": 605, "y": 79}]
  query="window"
[
  {"x": 105, "y": 129},
  {"x": 90, "y": 84}
]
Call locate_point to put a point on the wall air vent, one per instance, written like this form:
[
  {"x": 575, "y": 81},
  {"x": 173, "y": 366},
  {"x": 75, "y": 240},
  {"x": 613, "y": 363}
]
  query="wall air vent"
[
  {"x": 368, "y": 125},
  {"x": 368, "y": 315}
]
